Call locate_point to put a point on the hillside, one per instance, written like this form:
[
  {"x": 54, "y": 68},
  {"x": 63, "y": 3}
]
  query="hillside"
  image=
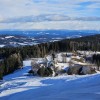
[
  {"x": 87, "y": 43},
  {"x": 19, "y": 86}
]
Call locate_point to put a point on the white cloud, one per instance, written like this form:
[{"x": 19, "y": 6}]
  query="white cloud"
[
  {"x": 16, "y": 9},
  {"x": 70, "y": 25}
]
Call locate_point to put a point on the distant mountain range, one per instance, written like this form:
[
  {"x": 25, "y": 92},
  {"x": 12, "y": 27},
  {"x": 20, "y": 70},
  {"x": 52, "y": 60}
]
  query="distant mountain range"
[{"x": 23, "y": 38}]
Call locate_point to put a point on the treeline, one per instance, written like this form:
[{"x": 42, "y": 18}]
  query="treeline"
[
  {"x": 10, "y": 64},
  {"x": 13, "y": 57},
  {"x": 96, "y": 60}
]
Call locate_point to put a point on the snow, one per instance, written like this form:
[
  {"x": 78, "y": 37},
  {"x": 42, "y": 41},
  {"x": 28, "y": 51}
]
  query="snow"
[
  {"x": 27, "y": 63},
  {"x": 22, "y": 44},
  {"x": 62, "y": 66},
  {"x": 7, "y": 37},
  {"x": 1, "y": 46},
  {"x": 20, "y": 86},
  {"x": 49, "y": 58},
  {"x": 58, "y": 38}
]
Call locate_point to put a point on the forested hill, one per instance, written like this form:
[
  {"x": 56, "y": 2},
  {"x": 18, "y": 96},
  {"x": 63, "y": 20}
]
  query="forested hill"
[
  {"x": 88, "y": 38},
  {"x": 11, "y": 58},
  {"x": 83, "y": 43}
]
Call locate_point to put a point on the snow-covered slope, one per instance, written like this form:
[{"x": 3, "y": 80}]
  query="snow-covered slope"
[{"x": 20, "y": 86}]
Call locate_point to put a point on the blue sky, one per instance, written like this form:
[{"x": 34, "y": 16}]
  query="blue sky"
[{"x": 50, "y": 14}]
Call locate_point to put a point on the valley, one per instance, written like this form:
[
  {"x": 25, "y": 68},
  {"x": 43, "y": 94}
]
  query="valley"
[{"x": 25, "y": 38}]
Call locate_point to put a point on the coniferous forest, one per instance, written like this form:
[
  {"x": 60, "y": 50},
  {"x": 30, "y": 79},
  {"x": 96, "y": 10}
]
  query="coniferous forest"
[{"x": 11, "y": 58}]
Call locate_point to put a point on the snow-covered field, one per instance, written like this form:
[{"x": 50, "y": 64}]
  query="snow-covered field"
[{"x": 20, "y": 86}]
